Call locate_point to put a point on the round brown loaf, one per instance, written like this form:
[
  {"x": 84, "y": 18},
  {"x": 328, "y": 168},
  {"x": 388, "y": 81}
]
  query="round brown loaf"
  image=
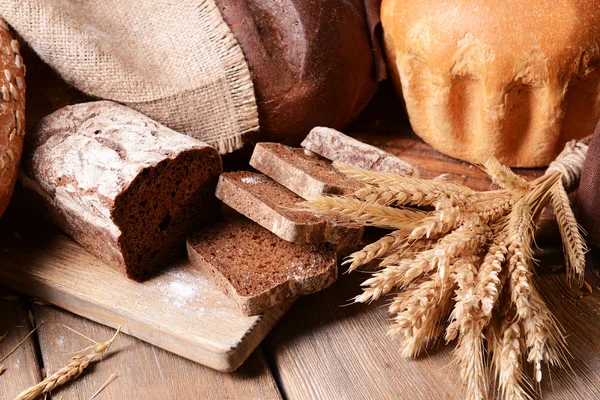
[
  {"x": 511, "y": 79},
  {"x": 311, "y": 62},
  {"x": 12, "y": 113}
]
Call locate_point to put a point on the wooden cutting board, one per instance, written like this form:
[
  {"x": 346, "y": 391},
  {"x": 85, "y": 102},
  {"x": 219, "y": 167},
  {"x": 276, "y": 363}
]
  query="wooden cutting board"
[{"x": 179, "y": 310}]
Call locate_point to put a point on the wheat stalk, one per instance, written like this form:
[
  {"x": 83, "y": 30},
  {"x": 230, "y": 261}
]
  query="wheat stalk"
[
  {"x": 468, "y": 262},
  {"x": 574, "y": 246},
  {"x": 503, "y": 176},
  {"x": 376, "y": 249},
  {"x": 367, "y": 213},
  {"x": 71, "y": 371},
  {"x": 407, "y": 189}
]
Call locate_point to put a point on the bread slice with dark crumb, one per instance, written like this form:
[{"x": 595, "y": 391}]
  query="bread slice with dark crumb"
[
  {"x": 256, "y": 268},
  {"x": 125, "y": 187},
  {"x": 307, "y": 176},
  {"x": 277, "y": 209}
]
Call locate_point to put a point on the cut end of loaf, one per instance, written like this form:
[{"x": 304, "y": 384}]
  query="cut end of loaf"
[
  {"x": 162, "y": 205},
  {"x": 258, "y": 269}
]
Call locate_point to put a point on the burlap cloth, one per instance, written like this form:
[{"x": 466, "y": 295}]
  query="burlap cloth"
[
  {"x": 588, "y": 194},
  {"x": 175, "y": 61}
]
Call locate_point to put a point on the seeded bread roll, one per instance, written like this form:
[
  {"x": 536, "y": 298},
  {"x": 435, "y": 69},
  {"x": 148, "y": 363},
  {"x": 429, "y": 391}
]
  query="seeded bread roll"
[
  {"x": 125, "y": 187},
  {"x": 510, "y": 79},
  {"x": 311, "y": 62},
  {"x": 12, "y": 113},
  {"x": 256, "y": 268}
]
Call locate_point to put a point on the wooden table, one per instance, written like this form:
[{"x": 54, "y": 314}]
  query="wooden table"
[{"x": 322, "y": 349}]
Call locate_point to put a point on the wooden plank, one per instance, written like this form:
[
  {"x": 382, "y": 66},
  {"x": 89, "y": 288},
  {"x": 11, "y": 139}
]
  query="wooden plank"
[
  {"x": 179, "y": 310},
  {"x": 142, "y": 370},
  {"x": 324, "y": 348},
  {"x": 22, "y": 367}
]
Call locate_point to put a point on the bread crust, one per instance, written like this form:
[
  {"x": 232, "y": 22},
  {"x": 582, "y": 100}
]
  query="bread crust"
[
  {"x": 311, "y": 62},
  {"x": 510, "y": 79},
  {"x": 12, "y": 113}
]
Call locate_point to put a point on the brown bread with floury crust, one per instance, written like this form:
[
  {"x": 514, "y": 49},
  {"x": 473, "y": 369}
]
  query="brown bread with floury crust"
[
  {"x": 277, "y": 209},
  {"x": 307, "y": 176},
  {"x": 312, "y": 62},
  {"x": 257, "y": 269},
  {"x": 12, "y": 113},
  {"x": 125, "y": 187}
]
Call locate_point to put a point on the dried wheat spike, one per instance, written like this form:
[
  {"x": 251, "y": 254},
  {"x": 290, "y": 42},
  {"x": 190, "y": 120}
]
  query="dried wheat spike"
[
  {"x": 438, "y": 223},
  {"x": 462, "y": 242},
  {"x": 507, "y": 359},
  {"x": 376, "y": 249},
  {"x": 574, "y": 246},
  {"x": 504, "y": 177},
  {"x": 417, "y": 191},
  {"x": 367, "y": 213},
  {"x": 420, "y": 314},
  {"x": 73, "y": 370},
  {"x": 492, "y": 210}
]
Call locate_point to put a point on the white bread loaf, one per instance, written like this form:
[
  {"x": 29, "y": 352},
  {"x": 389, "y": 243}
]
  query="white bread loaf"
[{"x": 511, "y": 79}]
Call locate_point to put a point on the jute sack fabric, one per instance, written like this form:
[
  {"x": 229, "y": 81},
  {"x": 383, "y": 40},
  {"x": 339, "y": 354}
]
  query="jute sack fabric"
[{"x": 174, "y": 60}]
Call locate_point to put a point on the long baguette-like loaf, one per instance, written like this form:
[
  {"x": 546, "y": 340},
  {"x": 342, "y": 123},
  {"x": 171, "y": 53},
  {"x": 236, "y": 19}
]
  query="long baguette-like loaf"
[{"x": 125, "y": 187}]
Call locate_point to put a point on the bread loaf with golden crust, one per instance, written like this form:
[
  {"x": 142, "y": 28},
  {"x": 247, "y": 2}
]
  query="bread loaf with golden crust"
[{"x": 510, "y": 79}]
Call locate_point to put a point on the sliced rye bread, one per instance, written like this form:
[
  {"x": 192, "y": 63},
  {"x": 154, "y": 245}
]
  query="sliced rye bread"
[
  {"x": 335, "y": 146},
  {"x": 257, "y": 269},
  {"x": 302, "y": 174},
  {"x": 266, "y": 202}
]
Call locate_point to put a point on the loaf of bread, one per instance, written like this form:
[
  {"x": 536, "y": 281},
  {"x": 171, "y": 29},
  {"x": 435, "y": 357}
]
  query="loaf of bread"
[
  {"x": 277, "y": 209},
  {"x": 302, "y": 174},
  {"x": 311, "y": 62},
  {"x": 125, "y": 187},
  {"x": 256, "y": 268},
  {"x": 510, "y": 79},
  {"x": 336, "y": 146},
  {"x": 12, "y": 113}
]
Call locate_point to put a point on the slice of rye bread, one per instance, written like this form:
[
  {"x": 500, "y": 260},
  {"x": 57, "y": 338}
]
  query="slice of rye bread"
[
  {"x": 335, "y": 146},
  {"x": 266, "y": 202},
  {"x": 257, "y": 269},
  {"x": 302, "y": 174}
]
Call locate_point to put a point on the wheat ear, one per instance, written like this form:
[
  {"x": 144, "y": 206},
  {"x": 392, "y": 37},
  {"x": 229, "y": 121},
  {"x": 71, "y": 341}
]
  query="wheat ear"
[
  {"x": 71, "y": 371},
  {"x": 507, "y": 359},
  {"x": 377, "y": 249},
  {"x": 462, "y": 242},
  {"x": 574, "y": 246},
  {"x": 367, "y": 213},
  {"x": 504, "y": 177},
  {"x": 408, "y": 189}
]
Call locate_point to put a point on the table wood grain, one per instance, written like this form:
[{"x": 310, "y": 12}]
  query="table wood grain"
[
  {"x": 142, "y": 370},
  {"x": 22, "y": 367}
]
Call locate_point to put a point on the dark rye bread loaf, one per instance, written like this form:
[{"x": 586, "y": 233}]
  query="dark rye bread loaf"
[
  {"x": 125, "y": 187},
  {"x": 312, "y": 62},
  {"x": 256, "y": 268},
  {"x": 336, "y": 146},
  {"x": 302, "y": 174},
  {"x": 277, "y": 209}
]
